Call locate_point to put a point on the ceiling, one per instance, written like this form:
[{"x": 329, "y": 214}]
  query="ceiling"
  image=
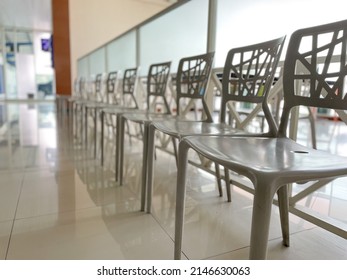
[
  {"x": 32, "y": 14},
  {"x": 36, "y": 14}
]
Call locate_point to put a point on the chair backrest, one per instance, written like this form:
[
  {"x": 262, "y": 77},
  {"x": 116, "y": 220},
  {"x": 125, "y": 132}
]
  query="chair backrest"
[
  {"x": 76, "y": 91},
  {"x": 98, "y": 87},
  {"x": 82, "y": 87},
  {"x": 111, "y": 84},
  {"x": 192, "y": 80},
  {"x": 129, "y": 85},
  {"x": 248, "y": 74},
  {"x": 157, "y": 79},
  {"x": 315, "y": 70}
]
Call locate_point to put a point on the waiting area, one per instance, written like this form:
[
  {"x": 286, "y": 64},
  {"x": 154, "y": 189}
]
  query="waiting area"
[
  {"x": 180, "y": 143},
  {"x": 100, "y": 176}
]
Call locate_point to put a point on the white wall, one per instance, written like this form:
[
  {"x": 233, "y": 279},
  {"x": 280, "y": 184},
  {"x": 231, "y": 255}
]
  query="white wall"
[
  {"x": 246, "y": 22},
  {"x": 95, "y": 22}
]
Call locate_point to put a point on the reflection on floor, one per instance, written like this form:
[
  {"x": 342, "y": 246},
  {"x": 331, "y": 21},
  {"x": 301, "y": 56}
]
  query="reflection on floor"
[{"x": 58, "y": 202}]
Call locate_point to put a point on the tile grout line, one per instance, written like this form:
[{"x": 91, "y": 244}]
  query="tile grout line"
[{"x": 14, "y": 217}]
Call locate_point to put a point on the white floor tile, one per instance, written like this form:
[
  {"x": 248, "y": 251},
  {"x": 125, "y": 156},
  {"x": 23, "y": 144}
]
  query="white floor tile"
[
  {"x": 64, "y": 205},
  {"x": 5, "y": 233},
  {"x": 109, "y": 232}
]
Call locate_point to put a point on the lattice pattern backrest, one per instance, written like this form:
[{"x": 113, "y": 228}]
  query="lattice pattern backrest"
[
  {"x": 192, "y": 79},
  {"x": 249, "y": 72},
  {"x": 111, "y": 83},
  {"x": 98, "y": 87},
  {"x": 315, "y": 69},
  {"x": 129, "y": 86},
  {"x": 157, "y": 79},
  {"x": 129, "y": 81},
  {"x": 98, "y": 81}
]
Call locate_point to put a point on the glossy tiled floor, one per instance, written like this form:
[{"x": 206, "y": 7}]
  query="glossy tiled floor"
[{"x": 57, "y": 202}]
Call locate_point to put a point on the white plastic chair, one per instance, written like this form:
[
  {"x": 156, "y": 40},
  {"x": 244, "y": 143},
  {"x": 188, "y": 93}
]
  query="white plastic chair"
[
  {"x": 127, "y": 102},
  {"x": 105, "y": 92},
  {"x": 157, "y": 80},
  {"x": 90, "y": 107},
  {"x": 192, "y": 80},
  {"x": 248, "y": 75},
  {"x": 273, "y": 162},
  {"x": 77, "y": 103},
  {"x": 76, "y": 95}
]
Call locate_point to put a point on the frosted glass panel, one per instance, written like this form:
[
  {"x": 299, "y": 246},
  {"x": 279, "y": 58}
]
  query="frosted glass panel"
[
  {"x": 121, "y": 53},
  {"x": 251, "y": 21},
  {"x": 179, "y": 33},
  {"x": 83, "y": 67},
  {"x": 26, "y": 84},
  {"x": 97, "y": 62}
]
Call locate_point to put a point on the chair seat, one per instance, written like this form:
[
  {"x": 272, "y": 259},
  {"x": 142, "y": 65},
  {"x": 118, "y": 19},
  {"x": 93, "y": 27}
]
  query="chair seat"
[
  {"x": 95, "y": 105},
  {"x": 84, "y": 102},
  {"x": 281, "y": 158},
  {"x": 145, "y": 116},
  {"x": 117, "y": 109},
  {"x": 183, "y": 128},
  {"x": 72, "y": 99}
]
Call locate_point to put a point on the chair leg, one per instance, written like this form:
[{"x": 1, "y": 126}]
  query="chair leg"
[
  {"x": 313, "y": 128},
  {"x": 102, "y": 117},
  {"x": 95, "y": 129},
  {"x": 150, "y": 163},
  {"x": 180, "y": 196},
  {"x": 121, "y": 148},
  {"x": 262, "y": 205},
  {"x": 81, "y": 125},
  {"x": 117, "y": 147},
  {"x": 121, "y": 128},
  {"x": 144, "y": 167},
  {"x": 219, "y": 180},
  {"x": 175, "y": 149},
  {"x": 283, "y": 204},
  {"x": 128, "y": 129},
  {"x": 86, "y": 126},
  {"x": 227, "y": 183}
]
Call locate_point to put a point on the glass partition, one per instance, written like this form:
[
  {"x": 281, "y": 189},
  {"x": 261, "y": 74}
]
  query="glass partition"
[
  {"x": 183, "y": 32},
  {"x": 97, "y": 62},
  {"x": 179, "y": 33},
  {"x": 121, "y": 53},
  {"x": 251, "y": 21},
  {"x": 83, "y": 67}
]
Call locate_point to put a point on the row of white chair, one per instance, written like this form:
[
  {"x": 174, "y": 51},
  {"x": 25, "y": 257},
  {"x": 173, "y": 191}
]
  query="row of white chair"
[{"x": 270, "y": 160}]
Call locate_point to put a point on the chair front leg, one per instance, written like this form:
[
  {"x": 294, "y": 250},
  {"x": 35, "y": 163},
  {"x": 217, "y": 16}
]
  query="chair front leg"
[
  {"x": 227, "y": 183},
  {"x": 102, "y": 117},
  {"x": 144, "y": 166},
  {"x": 283, "y": 204},
  {"x": 86, "y": 126},
  {"x": 117, "y": 136},
  {"x": 95, "y": 129},
  {"x": 150, "y": 163},
  {"x": 262, "y": 205},
  {"x": 219, "y": 180},
  {"x": 183, "y": 149}
]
